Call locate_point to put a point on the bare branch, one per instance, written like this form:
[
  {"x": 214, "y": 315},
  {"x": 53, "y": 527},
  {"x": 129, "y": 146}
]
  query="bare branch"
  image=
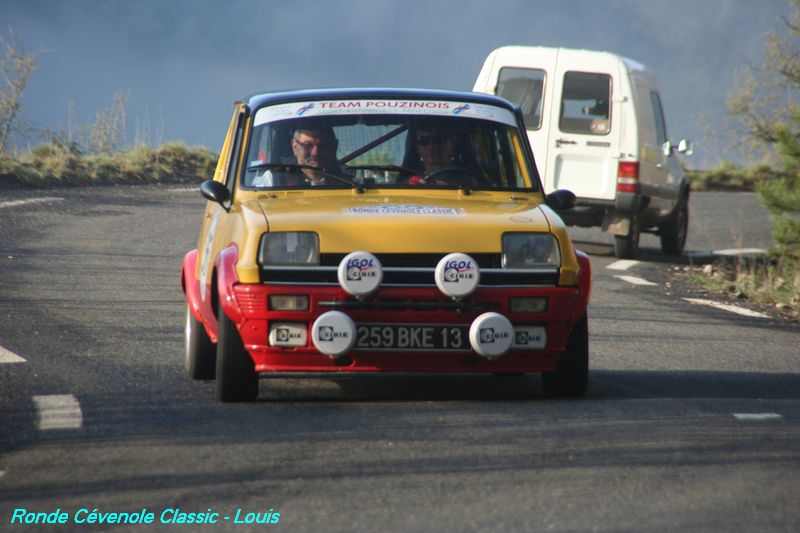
[{"x": 16, "y": 67}]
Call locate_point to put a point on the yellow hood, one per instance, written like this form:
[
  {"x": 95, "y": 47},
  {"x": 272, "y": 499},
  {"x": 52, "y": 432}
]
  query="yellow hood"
[{"x": 399, "y": 222}]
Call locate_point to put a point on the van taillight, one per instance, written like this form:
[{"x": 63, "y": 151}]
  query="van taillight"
[{"x": 628, "y": 176}]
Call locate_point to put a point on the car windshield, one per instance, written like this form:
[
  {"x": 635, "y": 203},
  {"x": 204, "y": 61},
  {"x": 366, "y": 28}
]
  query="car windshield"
[{"x": 387, "y": 144}]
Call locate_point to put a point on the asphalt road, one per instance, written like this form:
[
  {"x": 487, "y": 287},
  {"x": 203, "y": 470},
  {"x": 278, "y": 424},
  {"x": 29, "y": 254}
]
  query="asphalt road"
[{"x": 691, "y": 423}]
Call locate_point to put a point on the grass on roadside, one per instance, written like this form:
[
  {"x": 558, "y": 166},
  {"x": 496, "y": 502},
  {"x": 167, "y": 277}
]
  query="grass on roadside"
[
  {"x": 51, "y": 165},
  {"x": 772, "y": 281}
]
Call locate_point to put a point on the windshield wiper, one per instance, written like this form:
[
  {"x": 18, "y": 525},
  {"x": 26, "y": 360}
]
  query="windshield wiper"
[
  {"x": 390, "y": 168},
  {"x": 296, "y": 166}
]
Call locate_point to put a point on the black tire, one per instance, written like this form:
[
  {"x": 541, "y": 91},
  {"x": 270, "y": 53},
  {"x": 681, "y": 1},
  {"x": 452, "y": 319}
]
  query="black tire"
[
  {"x": 200, "y": 352},
  {"x": 673, "y": 234},
  {"x": 508, "y": 374},
  {"x": 237, "y": 380},
  {"x": 571, "y": 377},
  {"x": 627, "y": 246}
]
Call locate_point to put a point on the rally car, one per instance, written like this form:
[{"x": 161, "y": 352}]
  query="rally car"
[{"x": 372, "y": 230}]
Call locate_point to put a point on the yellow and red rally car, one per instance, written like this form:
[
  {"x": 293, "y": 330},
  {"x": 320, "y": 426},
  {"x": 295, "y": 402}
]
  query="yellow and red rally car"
[{"x": 372, "y": 230}]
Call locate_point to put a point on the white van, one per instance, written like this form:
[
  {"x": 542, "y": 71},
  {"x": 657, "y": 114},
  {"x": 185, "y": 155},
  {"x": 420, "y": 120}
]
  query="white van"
[{"x": 596, "y": 127}]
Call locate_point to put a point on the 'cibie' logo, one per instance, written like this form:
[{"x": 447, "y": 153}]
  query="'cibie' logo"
[
  {"x": 458, "y": 270},
  {"x": 460, "y": 109},
  {"x": 327, "y": 334},
  {"x": 304, "y": 109},
  {"x": 489, "y": 335},
  {"x": 285, "y": 335}
]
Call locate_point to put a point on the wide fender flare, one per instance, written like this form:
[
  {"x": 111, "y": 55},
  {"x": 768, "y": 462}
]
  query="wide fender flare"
[
  {"x": 227, "y": 279},
  {"x": 584, "y": 286},
  {"x": 189, "y": 285}
]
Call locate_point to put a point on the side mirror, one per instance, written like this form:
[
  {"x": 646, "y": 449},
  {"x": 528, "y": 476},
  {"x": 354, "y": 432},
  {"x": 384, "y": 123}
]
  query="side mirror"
[
  {"x": 560, "y": 200},
  {"x": 216, "y": 192},
  {"x": 684, "y": 147}
]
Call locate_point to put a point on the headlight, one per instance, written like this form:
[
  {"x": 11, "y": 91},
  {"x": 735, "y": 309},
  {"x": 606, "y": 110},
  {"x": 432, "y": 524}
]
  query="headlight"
[
  {"x": 285, "y": 248},
  {"x": 530, "y": 250}
]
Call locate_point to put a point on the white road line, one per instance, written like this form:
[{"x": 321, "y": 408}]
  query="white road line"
[
  {"x": 58, "y": 411},
  {"x": 622, "y": 264},
  {"x": 187, "y": 189},
  {"x": 635, "y": 280},
  {"x": 710, "y": 255},
  {"x": 740, "y": 251},
  {"x": 757, "y": 417},
  {"x": 725, "y": 307},
  {"x": 7, "y": 356},
  {"x": 14, "y": 203}
]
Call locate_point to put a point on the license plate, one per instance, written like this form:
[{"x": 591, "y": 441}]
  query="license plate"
[{"x": 412, "y": 337}]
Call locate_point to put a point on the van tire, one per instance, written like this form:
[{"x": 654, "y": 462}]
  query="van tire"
[
  {"x": 627, "y": 246},
  {"x": 571, "y": 377},
  {"x": 237, "y": 380},
  {"x": 673, "y": 234}
]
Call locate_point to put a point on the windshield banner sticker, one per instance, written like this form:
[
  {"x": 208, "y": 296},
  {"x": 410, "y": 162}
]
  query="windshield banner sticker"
[
  {"x": 393, "y": 107},
  {"x": 405, "y": 209}
]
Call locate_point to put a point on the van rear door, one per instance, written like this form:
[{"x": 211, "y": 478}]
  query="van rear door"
[
  {"x": 524, "y": 76},
  {"x": 583, "y": 143}
]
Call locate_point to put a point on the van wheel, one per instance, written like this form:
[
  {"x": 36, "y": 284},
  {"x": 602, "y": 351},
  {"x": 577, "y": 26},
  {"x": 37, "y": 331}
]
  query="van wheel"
[
  {"x": 674, "y": 233},
  {"x": 627, "y": 246},
  {"x": 237, "y": 380},
  {"x": 200, "y": 352},
  {"x": 571, "y": 377}
]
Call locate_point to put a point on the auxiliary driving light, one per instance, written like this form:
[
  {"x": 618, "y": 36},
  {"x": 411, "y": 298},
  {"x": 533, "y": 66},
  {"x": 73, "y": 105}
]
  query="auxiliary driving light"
[
  {"x": 457, "y": 275},
  {"x": 287, "y": 334},
  {"x": 333, "y": 333},
  {"x": 491, "y": 335},
  {"x": 530, "y": 338},
  {"x": 360, "y": 274}
]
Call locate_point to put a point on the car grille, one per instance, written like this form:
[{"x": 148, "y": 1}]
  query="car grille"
[
  {"x": 415, "y": 260},
  {"x": 409, "y": 270}
]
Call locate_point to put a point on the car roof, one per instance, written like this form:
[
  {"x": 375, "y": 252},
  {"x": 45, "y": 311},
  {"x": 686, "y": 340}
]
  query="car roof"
[{"x": 258, "y": 100}]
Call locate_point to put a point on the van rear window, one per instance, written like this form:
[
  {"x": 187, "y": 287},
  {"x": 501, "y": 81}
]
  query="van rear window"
[
  {"x": 524, "y": 87},
  {"x": 585, "y": 101}
]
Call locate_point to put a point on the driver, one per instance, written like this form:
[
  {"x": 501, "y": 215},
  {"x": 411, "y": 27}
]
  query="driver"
[
  {"x": 312, "y": 146},
  {"x": 315, "y": 147}
]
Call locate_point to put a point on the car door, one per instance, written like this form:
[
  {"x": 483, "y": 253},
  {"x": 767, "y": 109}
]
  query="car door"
[
  {"x": 585, "y": 123},
  {"x": 208, "y": 245}
]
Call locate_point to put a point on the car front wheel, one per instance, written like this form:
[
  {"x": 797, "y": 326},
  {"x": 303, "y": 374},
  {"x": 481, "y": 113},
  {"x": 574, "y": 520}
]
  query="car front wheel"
[
  {"x": 571, "y": 377},
  {"x": 201, "y": 354},
  {"x": 237, "y": 380}
]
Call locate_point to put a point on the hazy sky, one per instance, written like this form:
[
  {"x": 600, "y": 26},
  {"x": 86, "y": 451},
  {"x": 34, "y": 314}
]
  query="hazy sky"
[{"x": 184, "y": 62}]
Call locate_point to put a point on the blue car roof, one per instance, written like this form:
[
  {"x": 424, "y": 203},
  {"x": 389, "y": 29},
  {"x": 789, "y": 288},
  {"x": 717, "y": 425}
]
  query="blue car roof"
[{"x": 258, "y": 100}]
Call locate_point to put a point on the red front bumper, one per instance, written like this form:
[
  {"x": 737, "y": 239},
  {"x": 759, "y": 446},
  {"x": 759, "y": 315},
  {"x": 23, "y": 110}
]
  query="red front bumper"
[{"x": 565, "y": 305}]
